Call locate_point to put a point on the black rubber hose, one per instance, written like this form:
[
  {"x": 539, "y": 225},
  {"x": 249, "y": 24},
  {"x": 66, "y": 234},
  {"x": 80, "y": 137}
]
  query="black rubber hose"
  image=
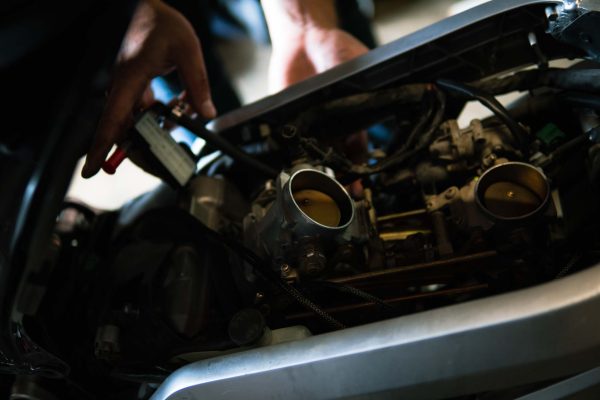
[
  {"x": 197, "y": 128},
  {"x": 582, "y": 99},
  {"x": 490, "y": 102},
  {"x": 304, "y": 301},
  {"x": 584, "y": 80},
  {"x": 263, "y": 270},
  {"x": 420, "y": 125},
  {"x": 423, "y": 140},
  {"x": 567, "y": 268}
]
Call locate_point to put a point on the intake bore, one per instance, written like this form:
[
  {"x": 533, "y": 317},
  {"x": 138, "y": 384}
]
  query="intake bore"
[
  {"x": 512, "y": 191},
  {"x": 320, "y": 199}
]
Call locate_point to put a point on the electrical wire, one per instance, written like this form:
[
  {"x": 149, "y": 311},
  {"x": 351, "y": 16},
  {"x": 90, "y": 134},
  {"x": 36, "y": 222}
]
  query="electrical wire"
[
  {"x": 265, "y": 272},
  {"x": 582, "y": 80},
  {"x": 425, "y": 138},
  {"x": 218, "y": 142},
  {"x": 425, "y": 114},
  {"x": 420, "y": 125},
  {"x": 422, "y": 141},
  {"x": 260, "y": 266},
  {"x": 519, "y": 133},
  {"x": 567, "y": 268}
]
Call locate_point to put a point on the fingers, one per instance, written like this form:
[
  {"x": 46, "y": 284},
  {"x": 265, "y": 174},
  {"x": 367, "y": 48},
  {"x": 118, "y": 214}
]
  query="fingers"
[
  {"x": 158, "y": 39},
  {"x": 190, "y": 64},
  {"x": 328, "y": 48},
  {"x": 147, "y": 98},
  {"x": 127, "y": 89}
]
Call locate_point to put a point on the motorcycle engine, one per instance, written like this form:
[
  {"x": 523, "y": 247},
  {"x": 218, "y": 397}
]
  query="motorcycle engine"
[
  {"x": 440, "y": 214},
  {"x": 355, "y": 205}
]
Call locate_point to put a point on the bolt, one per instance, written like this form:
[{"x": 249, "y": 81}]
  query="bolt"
[{"x": 285, "y": 269}]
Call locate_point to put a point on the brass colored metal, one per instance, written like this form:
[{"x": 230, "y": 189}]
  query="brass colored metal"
[
  {"x": 402, "y": 235},
  {"x": 318, "y": 206},
  {"x": 512, "y": 191},
  {"x": 415, "y": 267},
  {"x": 412, "y": 213},
  {"x": 391, "y": 301}
]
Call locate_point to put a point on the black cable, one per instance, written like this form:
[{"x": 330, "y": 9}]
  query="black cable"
[
  {"x": 584, "y": 80},
  {"x": 425, "y": 114},
  {"x": 197, "y": 128},
  {"x": 220, "y": 143},
  {"x": 261, "y": 268},
  {"x": 567, "y": 268},
  {"x": 356, "y": 293},
  {"x": 519, "y": 133},
  {"x": 419, "y": 126},
  {"x": 304, "y": 301},
  {"x": 405, "y": 152},
  {"x": 438, "y": 118},
  {"x": 266, "y": 272},
  {"x": 582, "y": 99}
]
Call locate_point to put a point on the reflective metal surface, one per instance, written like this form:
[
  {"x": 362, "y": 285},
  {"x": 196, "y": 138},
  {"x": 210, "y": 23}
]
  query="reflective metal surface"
[
  {"x": 512, "y": 191},
  {"x": 527, "y": 336}
]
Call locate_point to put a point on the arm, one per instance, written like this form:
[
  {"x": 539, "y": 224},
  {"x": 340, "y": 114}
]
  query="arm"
[{"x": 306, "y": 40}]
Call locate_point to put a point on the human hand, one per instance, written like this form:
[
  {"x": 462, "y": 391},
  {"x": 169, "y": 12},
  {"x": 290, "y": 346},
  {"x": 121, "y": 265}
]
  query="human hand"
[
  {"x": 313, "y": 51},
  {"x": 158, "y": 40}
]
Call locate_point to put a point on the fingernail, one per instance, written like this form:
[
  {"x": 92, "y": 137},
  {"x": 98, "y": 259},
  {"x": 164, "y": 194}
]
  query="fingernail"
[{"x": 208, "y": 109}]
